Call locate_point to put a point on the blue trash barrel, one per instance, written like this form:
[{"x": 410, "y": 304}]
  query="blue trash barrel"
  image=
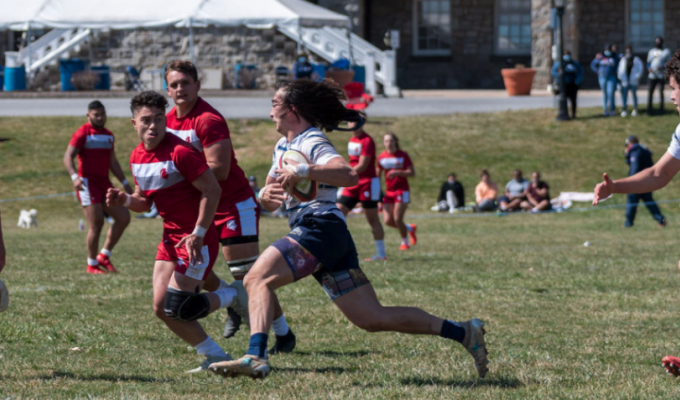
[
  {"x": 359, "y": 74},
  {"x": 320, "y": 70},
  {"x": 246, "y": 85},
  {"x": 15, "y": 78},
  {"x": 104, "y": 77},
  {"x": 67, "y": 68},
  {"x": 2, "y": 78}
]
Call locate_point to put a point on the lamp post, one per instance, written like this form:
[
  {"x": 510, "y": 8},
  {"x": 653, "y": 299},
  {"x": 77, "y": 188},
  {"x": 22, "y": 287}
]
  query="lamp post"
[{"x": 563, "y": 114}]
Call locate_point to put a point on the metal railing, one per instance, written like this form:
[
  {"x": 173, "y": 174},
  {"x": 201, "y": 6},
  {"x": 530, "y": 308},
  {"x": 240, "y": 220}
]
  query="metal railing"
[{"x": 47, "y": 48}]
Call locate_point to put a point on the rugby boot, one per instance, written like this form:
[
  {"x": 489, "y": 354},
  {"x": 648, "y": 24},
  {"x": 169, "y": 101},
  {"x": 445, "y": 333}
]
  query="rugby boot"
[
  {"x": 284, "y": 344},
  {"x": 672, "y": 365},
  {"x": 412, "y": 234},
  {"x": 209, "y": 360},
  {"x": 95, "y": 270},
  {"x": 105, "y": 262},
  {"x": 404, "y": 246},
  {"x": 474, "y": 344},
  {"x": 248, "y": 365}
]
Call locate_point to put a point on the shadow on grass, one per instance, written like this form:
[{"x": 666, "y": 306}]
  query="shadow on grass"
[
  {"x": 324, "y": 370},
  {"x": 101, "y": 377},
  {"x": 502, "y": 382},
  {"x": 330, "y": 353}
]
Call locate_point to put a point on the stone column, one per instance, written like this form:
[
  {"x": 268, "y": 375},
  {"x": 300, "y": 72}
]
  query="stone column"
[{"x": 541, "y": 42}]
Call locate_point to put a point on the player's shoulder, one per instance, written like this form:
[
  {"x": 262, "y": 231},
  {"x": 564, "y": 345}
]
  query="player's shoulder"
[{"x": 207, "y": 112}]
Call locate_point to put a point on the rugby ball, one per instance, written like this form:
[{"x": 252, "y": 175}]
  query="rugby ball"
[
  {"x": 305, "y": 189},
  {"x": 4, "y": 296}
]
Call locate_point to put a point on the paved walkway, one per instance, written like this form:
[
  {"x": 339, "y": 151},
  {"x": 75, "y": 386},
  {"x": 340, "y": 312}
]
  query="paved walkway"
[{"x": 258, "y": 106}]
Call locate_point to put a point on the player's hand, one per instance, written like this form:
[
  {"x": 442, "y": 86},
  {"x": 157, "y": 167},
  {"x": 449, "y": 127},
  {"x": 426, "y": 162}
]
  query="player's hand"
[
  {"x": 392, "y": 174},
  {"x": 287, "y": 176},
  {"x": 604, "y": 189},
  {"x": 194, "y": 245},
  {"x": 115, "y": 197},
  {"x": 272, "y": 196},
  {"x": 78, "y": 184},
  {"x": 128, "y": 189}
]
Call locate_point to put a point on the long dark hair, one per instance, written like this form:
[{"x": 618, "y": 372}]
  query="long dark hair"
[
  {"x": 395, "y": 138},
  {"x": 318, "y": 103}
]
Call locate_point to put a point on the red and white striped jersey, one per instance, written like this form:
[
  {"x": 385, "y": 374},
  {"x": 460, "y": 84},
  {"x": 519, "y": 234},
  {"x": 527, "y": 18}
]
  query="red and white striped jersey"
[
  {"x": 165, "y": 174},
  {"x": 397, "y": 161},
  {"x": 94, "y": 150}
]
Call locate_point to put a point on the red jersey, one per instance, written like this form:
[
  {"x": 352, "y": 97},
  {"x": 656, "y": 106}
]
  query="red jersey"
[
  {"x": 164, "y": 175},
  {"x": 362, "y": 146},
  {"x": 94, "y": 151},
  {"x": 205, "y": 126},
  {"x": 397, "y": 161}
]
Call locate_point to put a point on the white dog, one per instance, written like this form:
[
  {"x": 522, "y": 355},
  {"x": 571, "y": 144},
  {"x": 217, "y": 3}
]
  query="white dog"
[{"x": 28, "y": 219}]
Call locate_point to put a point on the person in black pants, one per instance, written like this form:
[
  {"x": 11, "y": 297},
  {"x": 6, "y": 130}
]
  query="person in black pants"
[
  {"x": 639, "y": 158},
  {"x": 656, "y": 65},
  {"x": 451, "y": 195},
  {"x": 573, "y": 75}
]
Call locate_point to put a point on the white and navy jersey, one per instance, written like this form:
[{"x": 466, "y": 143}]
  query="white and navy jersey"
[
  {"x": 319, "y": 151},
  {"x": 674, "y": 148}
]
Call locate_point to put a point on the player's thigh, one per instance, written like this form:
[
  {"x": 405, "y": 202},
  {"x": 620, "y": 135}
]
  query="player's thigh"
[
  {"x": 342, "y": 208},
  {"x": 119, "y": 214},
  {"x": 94, "y": 214},
  {"x": 162, "y": 273},
  {"x": 272, "y": 269},
  {"x": 388, "y": 212},
  {"x": 361, "y": 306},
  {"x": 185, "y": 283},
  {"x": 240, "y": 251},
  {"x": 400, "y": 210}
]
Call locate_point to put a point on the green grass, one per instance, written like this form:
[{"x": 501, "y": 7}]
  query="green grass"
[{"x": 565, "y": 321}]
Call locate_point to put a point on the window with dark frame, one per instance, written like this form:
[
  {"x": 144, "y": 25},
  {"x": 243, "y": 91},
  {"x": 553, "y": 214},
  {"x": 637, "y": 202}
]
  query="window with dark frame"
[
  {"x": 645, "y": 22},
  {"x": 432, "y": 19},
  {"x": 513, "y": 35}
]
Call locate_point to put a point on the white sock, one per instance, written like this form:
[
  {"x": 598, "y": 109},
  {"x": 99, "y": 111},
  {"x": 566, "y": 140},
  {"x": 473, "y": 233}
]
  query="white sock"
[
  {"x": 209, "y": 348},
  {"x": 280, "y": 326},
  {"x": 404, "y": 241},
  {"x": 222, "y": 285},
  {"x": 380, "y": 248},
  {"x": 408, "y": 228},
  {"x": 92, "y": 261},
  {"x": 106, "y": 252},
  {"x": 226, "y": 296}
]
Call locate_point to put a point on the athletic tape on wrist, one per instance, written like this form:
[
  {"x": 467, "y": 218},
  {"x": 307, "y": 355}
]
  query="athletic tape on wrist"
[
  {"x": 128, "y": 199},
  {"x": 74, "y": 177},
  {"x": 199, "y": 231},
  {"x": 302, "y": 170}
]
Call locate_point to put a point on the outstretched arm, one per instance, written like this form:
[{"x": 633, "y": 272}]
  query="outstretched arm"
[
  {"x": 645, "y": 181},
  {"x": 336, "y": 172}
]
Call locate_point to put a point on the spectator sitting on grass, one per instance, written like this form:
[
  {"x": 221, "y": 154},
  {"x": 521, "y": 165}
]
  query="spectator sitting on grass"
[
  {"x": 538, "y": 194},
  {"x": 515, "y": 193},
  {"x": 451, "y": 195},
  {"x": 486, "y": 192}
]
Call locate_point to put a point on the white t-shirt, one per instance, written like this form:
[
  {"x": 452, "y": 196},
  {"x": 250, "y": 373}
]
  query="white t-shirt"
[
  {"x": 319, "y": 150},
  {"x": 674, "y": 147}
]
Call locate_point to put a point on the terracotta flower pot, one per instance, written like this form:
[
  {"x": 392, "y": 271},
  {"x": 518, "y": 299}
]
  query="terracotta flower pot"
[
  {"x": 518, "y": 81},
  {"x": 341, "y": 77}
]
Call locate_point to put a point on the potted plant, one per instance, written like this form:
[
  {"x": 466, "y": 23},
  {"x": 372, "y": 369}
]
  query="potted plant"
[{"x": 518, "y": 80}]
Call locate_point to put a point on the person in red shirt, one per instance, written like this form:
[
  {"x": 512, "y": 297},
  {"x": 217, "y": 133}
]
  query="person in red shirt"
[
  {"x": 398, "y": 167},
  {"x": 193, "y": 120},
  {"x": 94, "y": 146},
  {"x": 174, "y": 176},
  {"x": 361, "y": 151}
]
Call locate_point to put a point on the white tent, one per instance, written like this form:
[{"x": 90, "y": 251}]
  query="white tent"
[{"x": 128, "y": 14}]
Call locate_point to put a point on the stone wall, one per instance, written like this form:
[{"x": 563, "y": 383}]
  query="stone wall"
[
  {"x": 472, "y": 63},
  {"x": 541, "y": 42}
]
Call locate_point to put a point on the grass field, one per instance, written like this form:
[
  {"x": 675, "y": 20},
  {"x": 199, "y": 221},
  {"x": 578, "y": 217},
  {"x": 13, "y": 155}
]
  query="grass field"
[{"x": 565, "y": 321}]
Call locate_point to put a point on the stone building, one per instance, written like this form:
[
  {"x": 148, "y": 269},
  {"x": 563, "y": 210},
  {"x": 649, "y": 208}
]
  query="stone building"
[{"x": 465, "y": 43}]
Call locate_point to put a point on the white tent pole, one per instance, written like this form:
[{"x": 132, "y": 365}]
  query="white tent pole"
[
  {"x": 30, "y": 50},
  {"x": 191, "y": 40}
]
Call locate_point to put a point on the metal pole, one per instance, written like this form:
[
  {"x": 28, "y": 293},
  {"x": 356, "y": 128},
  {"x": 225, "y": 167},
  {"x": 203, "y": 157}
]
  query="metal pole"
[
  {"x": 563, "y": 114},
  {"x": 30, "y": 50}
]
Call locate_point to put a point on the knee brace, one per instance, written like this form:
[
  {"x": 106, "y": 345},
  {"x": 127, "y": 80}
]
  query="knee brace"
[
  {"x": 242, "y": 266},
  {"x": 185, "y": 306}
]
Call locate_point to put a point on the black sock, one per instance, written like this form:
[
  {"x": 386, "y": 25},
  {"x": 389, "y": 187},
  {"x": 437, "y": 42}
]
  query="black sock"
[{"x": 452, "y": 330}]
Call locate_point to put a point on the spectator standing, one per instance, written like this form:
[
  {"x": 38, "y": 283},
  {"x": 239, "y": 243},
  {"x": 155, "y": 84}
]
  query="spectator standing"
[
  {"x": 538, "y": 194},
  {"x": 486, "y": 192},
  {"x": 639, "y": 158},
  {"x": 573, "y": 76},
  {"x": 302, "y": 68},
  {"x": 515, "y": 192},
  {"x": 605, "y": 65},
  {"x": 630, "y": 71},
  {"x": 451, "y": 195},
  {"x": 656, "y": 65}
]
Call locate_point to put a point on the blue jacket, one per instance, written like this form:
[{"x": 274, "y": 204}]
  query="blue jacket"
[
  {"x": 606, "y": 66},
  {"x": 573, "y": 73},
  {"x": 639, "y": 158}
]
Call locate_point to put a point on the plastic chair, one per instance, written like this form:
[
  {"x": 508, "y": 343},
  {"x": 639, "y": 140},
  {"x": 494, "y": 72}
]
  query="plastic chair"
[
  {"x": 135, "y": 81},
  {"x": 357, "y": 99}
]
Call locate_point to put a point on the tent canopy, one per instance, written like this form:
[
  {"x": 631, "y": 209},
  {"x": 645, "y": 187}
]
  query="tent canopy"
[{"x": 129, "y": 14}]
